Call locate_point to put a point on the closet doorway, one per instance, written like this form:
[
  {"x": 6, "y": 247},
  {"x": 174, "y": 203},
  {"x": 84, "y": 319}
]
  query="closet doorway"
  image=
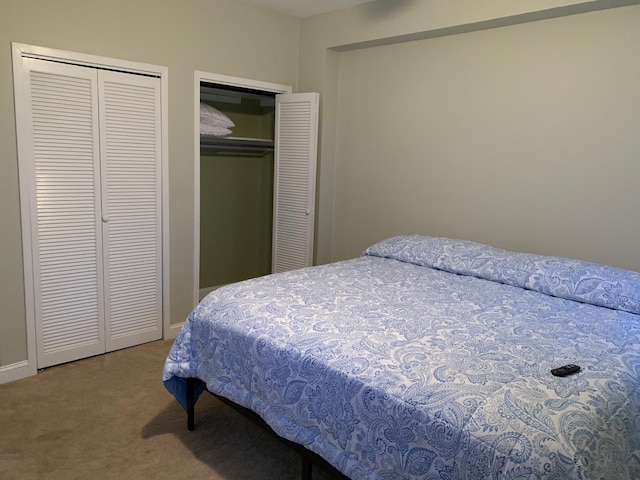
[
  {"x": 255, "y": 171},
  {"x": 91, "y": 156}
]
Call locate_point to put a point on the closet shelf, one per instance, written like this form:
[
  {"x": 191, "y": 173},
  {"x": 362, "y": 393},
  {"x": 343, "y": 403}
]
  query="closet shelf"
[{"x": 237, "y": 145}]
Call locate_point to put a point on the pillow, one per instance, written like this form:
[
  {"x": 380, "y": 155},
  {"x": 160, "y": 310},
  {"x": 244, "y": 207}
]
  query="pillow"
[
  {"x": 214, "y": 131},
  {"x": 577, "y": 280},
  {"x": 212, "y": 116}
]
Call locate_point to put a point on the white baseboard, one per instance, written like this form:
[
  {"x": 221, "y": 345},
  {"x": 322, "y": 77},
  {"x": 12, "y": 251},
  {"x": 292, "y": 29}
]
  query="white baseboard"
[
  {"x": 206, "y": 291},
  {"x": 174, "y": 330},
  {"x": 20, "y": 370},
  {"x": 16, "y": 371}
]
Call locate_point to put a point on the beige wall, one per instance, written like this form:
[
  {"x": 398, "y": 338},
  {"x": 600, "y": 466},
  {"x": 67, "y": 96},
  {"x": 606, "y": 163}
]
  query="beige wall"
[
  {"x": 218, "y": 36},
  {"x": 522, "y": 136}
]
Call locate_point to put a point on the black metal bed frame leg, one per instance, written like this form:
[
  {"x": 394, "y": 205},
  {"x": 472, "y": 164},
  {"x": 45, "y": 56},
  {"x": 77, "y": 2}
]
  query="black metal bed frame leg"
[
  {"x": 308, "y": 457},
  {"x": 191, "y": 405},
  {"x": 307, "y": 467}
]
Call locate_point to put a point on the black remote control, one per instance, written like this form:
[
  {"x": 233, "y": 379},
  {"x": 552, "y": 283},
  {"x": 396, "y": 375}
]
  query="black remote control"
[{"x": 566, "y": 370}]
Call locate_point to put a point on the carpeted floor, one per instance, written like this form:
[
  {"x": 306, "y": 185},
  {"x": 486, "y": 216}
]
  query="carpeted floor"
[{"x": 110, "y": 417}]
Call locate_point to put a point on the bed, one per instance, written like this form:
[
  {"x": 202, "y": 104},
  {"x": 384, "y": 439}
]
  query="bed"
[{"x": 431, "y": 358}]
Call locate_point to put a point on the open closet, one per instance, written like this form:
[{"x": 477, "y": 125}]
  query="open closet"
[{"x": 256, "y": 165}]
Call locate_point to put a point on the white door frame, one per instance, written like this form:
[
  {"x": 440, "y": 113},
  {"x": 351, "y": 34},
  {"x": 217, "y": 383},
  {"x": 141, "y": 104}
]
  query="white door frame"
[
  {"x": 221, "y": 80},
  {"x": 20, "y": 51}
]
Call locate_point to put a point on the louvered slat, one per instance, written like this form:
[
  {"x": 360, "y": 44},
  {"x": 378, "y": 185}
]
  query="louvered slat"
[
  {"x": 65, "y": 195},
  {"x": 130, "y": 133},
  {"x": 296, "y": 146}
]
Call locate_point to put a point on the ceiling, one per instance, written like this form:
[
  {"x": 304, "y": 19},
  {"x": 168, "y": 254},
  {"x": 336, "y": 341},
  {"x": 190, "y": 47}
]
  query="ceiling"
[{"x": 304, "y": 8}]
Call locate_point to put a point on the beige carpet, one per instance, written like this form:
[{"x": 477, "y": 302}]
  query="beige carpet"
[{"x": 110, "y": 417}]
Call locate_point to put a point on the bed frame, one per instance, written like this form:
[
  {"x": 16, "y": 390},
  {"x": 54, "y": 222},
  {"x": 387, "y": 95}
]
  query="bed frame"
[{"x": 309, "y": 458}]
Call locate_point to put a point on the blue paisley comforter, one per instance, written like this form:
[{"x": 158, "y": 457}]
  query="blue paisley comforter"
[{"x": 430, "y": 358}]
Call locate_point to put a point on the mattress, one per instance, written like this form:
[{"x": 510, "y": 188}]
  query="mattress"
[{"x": 431, "y": 358}]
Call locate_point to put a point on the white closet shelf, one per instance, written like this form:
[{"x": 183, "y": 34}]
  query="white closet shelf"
[{"x": 237, "y": 145}]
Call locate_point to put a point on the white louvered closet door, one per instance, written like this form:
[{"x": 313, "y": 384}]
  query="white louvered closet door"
[
  {"x": 95, "y": 196},
  {"x": 65, "y": 206},
  {"x": 296, "y": 135},
  {"x": 131, "y": 207}
]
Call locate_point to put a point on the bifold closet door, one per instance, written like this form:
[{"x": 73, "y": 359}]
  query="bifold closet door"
[
  {"x": 65, "y": 197},
  {"x": 129, "y": 107},
  {"x": 296, "y": 139},
  {"x": 94, "y": 165}
]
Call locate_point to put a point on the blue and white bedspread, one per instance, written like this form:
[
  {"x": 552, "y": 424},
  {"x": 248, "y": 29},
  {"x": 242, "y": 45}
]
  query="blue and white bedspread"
[{"x": 430, "y": 358}]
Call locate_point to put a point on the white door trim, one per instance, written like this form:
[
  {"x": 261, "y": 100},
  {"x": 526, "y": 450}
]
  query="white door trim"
[
  {"x": 20, "y": 51},
  {"x": 199, "y": 77}
]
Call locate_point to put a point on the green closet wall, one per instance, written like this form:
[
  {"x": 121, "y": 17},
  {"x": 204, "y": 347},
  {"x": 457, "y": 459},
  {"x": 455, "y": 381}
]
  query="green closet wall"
[{"x": 236, "y": 201}]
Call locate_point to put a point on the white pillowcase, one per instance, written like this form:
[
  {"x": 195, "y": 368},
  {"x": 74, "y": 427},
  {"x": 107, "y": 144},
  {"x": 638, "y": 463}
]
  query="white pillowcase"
[
  {"x": 212, "y": 116},
  {"x": 214, "y": 130}
]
